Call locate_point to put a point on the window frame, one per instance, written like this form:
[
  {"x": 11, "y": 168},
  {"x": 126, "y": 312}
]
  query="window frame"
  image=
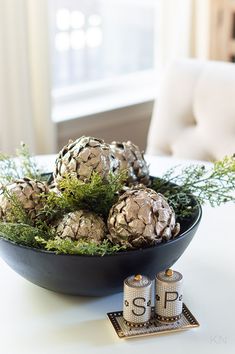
[{"x": 95, "y": 97}]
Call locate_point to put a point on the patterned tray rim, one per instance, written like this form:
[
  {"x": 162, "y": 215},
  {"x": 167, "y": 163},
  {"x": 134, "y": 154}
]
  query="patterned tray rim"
[{"x": 112, "y": 316}]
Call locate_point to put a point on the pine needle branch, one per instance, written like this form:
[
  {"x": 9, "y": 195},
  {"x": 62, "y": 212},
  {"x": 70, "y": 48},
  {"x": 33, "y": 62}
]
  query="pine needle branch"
[
  {"x": 22, "y": 234},
  {"x": 21, "y": 165},
  {"x": 95, "y": 195},
  {"x": 28, "y": 164},
  {"x": 215, "y": 185}
]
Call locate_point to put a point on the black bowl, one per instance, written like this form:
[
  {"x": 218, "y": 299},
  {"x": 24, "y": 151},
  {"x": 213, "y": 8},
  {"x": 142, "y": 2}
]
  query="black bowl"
[{"x": 96, "y": 275}]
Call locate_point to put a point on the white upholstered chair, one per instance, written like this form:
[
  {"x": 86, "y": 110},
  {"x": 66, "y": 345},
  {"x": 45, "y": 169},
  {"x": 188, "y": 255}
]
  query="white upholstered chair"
[{"x": 194, "y": 115}]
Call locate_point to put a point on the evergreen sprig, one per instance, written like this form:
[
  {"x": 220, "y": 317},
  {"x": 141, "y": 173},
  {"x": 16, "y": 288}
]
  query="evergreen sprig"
[
  {"x": 8, "y": 169},
  {"x": 94, "y": 195},
  {"x": 22, "y": 233},
  {"x": 215, "y": 185},
  {"x": 28, "y": 165},
  {"x": 82, "y": 247},
  {"x": 21, "y": 165}
]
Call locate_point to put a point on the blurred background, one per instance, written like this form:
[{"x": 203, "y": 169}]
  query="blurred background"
[{"x": 94, "y": 67}]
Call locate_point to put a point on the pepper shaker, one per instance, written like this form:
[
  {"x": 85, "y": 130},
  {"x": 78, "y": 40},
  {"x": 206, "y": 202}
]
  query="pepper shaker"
[{"x": 169, "y": 296}]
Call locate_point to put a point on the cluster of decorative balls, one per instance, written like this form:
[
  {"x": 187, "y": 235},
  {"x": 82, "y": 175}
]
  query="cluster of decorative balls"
[
  {"x": 86, "y": 155},
  {"x": 140, "y": 217}
]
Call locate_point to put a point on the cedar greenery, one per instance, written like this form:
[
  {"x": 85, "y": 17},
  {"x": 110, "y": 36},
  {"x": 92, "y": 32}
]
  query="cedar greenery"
[
  {"x": 23, "y": 165},
  {"x": 83, "y": 247},
  {"x": 94, "y": 195},
  {"x": 22, "y": 234},
  {"x": 215, "y": 185},
  {"x": 28, "y": 164}
]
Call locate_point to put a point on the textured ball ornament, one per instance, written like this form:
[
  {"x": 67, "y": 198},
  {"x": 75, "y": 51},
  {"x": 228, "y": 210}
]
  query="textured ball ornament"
[
  {"x": 83, "y": 157},
  {"x": 131, "y": 159},
  {"x": 81, "y": 224},
  {"x": 28, "y": 193},
  {"x": 141, "y": 218}
]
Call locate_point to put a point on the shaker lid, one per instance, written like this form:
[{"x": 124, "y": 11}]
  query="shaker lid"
[
  {"x": 137, "y": 281},
  {"x": 169, "y": 276}
]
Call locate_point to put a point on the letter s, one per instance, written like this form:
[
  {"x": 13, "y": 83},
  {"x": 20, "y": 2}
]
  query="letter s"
[{"x": 137, "y": 305}]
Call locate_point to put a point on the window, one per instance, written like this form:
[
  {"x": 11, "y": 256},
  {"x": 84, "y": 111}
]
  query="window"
[{"x": 102, "y": 53}]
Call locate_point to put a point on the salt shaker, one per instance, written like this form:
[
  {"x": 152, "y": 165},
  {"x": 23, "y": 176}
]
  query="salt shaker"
[{"x": 137, "y": 300}]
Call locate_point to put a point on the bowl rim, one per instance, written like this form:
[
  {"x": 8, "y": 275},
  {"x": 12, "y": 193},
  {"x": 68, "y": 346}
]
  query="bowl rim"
[{"x": 116, "y": 254}]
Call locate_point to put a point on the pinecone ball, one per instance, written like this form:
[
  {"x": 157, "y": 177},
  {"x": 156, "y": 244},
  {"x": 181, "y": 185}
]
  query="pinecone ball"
[
  {"x": 27, "y": 192},
  {"x": 81, "y": 224},
  {"x": 84, "y": 156},
  {"x": 132, "y": 159},
  {"x": 141, "y": 218}
]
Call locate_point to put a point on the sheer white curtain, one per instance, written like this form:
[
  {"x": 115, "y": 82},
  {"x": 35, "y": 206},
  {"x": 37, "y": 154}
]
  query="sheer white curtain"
[
  {"x": 182, "y": 30},
  {"x": 25, "y": 104}
]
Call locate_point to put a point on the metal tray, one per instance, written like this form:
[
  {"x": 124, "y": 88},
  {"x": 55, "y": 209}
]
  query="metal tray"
[{"x": 154, "y": 327}]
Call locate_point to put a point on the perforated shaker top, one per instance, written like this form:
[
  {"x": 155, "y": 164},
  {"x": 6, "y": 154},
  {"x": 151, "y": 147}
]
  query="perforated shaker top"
[
  {"x": 174, "y": 278},
  {"x": 138, "y": 281}
]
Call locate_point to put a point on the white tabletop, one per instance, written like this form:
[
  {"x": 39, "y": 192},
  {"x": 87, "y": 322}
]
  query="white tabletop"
[{"x": 34, "y": 320}]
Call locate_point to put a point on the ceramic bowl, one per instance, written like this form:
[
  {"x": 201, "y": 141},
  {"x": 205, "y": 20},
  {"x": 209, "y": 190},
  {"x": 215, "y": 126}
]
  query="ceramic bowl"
[{"x": 96, "y": 275}]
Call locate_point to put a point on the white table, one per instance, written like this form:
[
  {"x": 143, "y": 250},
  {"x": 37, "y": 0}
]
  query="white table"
[{"x": 34, "y": 320}]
